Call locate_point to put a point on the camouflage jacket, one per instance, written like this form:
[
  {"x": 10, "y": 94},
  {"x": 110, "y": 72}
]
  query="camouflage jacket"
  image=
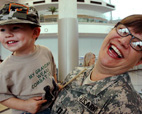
[{"x": 113, "y": 95}]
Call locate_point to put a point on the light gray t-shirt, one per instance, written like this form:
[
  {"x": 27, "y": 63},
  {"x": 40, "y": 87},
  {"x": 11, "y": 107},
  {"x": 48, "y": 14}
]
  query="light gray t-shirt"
[{"x": 28, "y": 76}]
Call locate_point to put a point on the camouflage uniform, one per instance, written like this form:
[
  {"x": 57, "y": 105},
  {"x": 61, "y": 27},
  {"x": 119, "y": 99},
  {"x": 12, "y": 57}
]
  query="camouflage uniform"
[{"x": 113, "y": 95}]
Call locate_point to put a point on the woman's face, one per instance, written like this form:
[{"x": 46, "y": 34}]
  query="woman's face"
[
  {"x": 116, "y": 55},
  {"x": 92, "y": 60}
]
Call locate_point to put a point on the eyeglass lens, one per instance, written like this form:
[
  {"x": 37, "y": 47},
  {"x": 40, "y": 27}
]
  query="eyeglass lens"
[{"x": 123, "y": 31}]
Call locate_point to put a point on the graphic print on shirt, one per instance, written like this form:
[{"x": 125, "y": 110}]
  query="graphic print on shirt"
[{"x": 40, "y": 75}]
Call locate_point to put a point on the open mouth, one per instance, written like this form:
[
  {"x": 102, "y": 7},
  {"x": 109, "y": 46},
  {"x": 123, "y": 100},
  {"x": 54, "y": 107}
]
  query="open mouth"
[
  {"x": 115, "y": 52},
  {"x": 11, "y": 42}
]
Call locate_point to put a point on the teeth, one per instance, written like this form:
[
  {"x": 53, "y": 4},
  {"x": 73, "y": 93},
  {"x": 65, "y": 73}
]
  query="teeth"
[
  {"x": 10, "y": 42},
  {"x": 116, "y": 50}
]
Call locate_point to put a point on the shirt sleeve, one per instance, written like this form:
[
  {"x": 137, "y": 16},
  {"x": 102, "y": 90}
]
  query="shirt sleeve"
[
  {"x": 5, "y": 85},
  {"x": 53, "y": 65}
]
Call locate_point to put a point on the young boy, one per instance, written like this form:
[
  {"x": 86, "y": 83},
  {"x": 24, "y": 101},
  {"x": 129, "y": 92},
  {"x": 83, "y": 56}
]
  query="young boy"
[{"x": 27, "y": 84}]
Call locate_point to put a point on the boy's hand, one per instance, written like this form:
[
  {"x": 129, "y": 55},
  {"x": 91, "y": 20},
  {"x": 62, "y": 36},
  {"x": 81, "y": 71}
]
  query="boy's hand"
[
  {"x": 33, "y": 104},
  {"x": 60, "y": 86}
]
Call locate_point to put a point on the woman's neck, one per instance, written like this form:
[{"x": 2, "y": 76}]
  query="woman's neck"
[{"x": 99, "y": 73}]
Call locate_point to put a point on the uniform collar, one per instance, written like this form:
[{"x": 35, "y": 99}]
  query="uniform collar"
[{"x": 97, "y": 87}]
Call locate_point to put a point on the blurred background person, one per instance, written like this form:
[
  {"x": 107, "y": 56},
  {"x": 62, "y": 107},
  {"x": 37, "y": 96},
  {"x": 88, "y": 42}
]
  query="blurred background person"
[
  {"x": 89, "y": 59},
  {"x": 1, "y": 60}
]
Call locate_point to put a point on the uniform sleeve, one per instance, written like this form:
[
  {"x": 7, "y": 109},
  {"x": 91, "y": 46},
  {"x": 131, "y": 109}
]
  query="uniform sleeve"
[
  {"x": 124, "y": 108},
  {"x": 73, "y": 73},
  {"x": 5, "y": 85},
  {"x": 126, "y": 102}
]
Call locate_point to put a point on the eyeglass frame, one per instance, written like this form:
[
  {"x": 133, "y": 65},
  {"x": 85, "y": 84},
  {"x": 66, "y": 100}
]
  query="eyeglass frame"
[{"x": 133, "y": 37}]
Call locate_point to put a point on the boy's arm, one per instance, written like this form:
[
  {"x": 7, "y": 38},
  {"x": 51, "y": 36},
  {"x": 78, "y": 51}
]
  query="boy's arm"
[
  {"x": 55, "y": 78},
  {"x": 31, "y": 105}
]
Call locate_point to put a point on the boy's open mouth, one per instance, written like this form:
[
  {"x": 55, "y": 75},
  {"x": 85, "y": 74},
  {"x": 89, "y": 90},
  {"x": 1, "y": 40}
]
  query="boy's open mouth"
[{"x": 11, "y": 42}]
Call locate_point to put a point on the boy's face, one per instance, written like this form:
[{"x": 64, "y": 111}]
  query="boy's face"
[{"x": 18, "y": 37}]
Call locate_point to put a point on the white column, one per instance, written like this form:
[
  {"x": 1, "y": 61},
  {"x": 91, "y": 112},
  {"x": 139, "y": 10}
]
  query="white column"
[
  {"x": 67, "y": 37},
  {"x": 0, "y": 50}
]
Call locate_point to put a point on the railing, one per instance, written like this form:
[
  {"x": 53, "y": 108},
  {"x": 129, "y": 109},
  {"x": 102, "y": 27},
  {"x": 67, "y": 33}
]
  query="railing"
[{"x": 81, "y": 18}]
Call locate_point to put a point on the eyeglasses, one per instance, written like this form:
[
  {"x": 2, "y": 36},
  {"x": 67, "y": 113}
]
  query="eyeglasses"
[{"x": 123, "y": 31}]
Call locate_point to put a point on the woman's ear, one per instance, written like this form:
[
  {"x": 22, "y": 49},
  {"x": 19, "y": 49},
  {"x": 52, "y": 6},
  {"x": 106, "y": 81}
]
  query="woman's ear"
[
  {"x": 36, "y": 32},
  {"x": 140, "y": 62}
]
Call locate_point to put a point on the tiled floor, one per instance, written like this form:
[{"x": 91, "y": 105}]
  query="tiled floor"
[{"x": 4, "y": 110}]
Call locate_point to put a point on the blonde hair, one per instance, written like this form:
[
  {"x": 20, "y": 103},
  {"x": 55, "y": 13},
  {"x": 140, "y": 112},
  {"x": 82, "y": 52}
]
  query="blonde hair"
[{"x": 87, "y": 58}]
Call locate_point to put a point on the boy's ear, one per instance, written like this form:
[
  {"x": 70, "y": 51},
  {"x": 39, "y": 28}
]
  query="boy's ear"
[
  {"x": 36, "y": 32},
  {"x": 140, "y": 62}
]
